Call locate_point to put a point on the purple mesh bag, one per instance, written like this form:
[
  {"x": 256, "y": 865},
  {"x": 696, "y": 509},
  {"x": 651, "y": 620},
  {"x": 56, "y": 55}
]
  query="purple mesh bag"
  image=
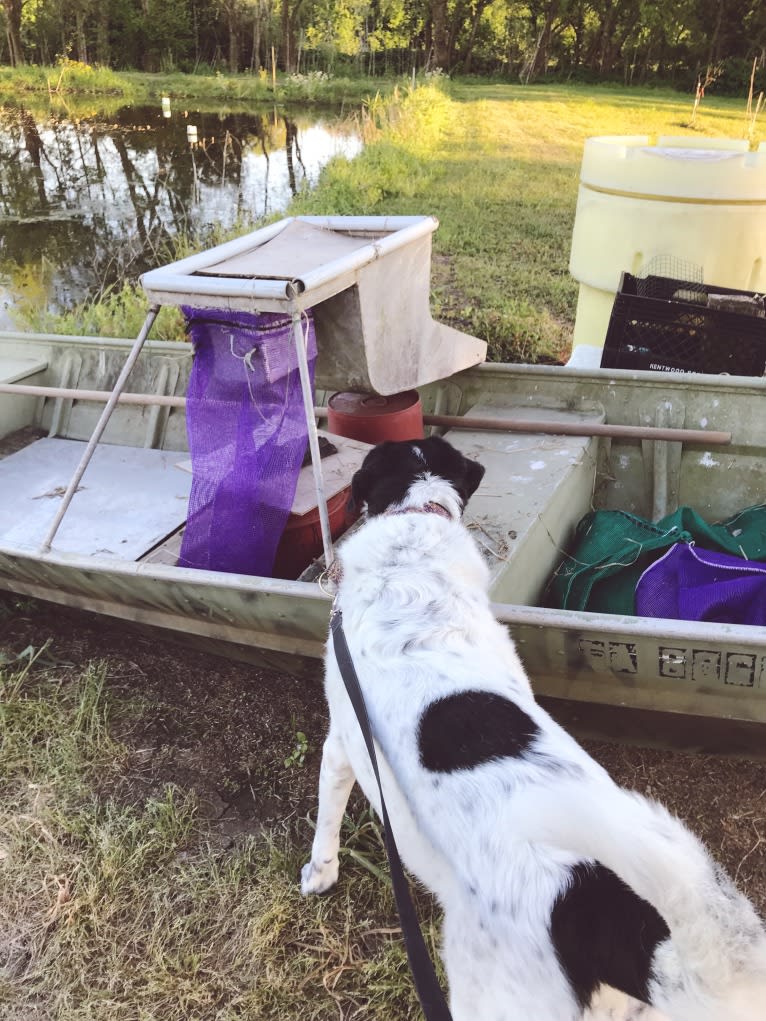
[
  {"x": 689, "y": 583},
  {"x": 247, "y": 437}
]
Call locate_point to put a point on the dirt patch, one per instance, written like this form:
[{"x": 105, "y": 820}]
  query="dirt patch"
[
  {"x": 225, "y": 731},
  {"x": 221, "y": 729}
]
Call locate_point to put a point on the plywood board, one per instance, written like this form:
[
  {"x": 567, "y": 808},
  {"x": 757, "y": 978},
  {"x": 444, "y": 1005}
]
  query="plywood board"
[
  {"x": 129, "y": 498},
  {"x": 337, "y": 471}
]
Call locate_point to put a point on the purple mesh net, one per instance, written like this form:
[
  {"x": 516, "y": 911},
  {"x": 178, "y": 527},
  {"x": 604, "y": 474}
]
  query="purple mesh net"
[
  {"x": 247, "y": 437},
  {"x": 690, "y": 583}
]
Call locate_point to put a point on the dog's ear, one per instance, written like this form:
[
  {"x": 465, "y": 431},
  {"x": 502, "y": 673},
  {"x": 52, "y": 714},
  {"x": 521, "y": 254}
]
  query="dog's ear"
[{"x": 474, "y": 473}]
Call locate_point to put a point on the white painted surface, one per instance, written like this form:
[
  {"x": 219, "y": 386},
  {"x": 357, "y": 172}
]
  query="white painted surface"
[{"x": 128, "y": 501}]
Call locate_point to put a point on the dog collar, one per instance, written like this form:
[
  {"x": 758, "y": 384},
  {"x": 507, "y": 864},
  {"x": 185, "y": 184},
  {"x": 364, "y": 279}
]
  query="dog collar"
[{"x": 432, "y": 507}]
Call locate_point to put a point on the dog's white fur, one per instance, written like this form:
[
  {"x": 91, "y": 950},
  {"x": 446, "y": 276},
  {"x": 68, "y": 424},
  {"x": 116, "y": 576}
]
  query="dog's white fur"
[{"x": 495, "y": 843}]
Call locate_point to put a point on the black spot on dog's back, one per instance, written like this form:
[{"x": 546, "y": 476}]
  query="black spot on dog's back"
[
  {"x": 604, "y": 933},
  {"x": 464, "y": 730}
]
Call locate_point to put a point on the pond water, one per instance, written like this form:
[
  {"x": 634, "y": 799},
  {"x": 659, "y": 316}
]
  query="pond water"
[{"x": 86, "y": 200}]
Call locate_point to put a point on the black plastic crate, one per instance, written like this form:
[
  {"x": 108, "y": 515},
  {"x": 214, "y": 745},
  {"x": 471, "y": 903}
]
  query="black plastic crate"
[{"x": 675, "y": 331}]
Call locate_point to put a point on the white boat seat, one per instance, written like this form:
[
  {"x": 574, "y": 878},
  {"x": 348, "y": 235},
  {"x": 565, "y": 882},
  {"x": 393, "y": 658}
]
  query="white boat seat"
[
  {"x": 536, "y": 488},
  {"x": 19, "y": 412},
  {"x": 14, "y": 370}
]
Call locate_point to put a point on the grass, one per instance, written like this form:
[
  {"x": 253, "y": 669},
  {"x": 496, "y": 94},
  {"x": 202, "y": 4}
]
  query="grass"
[
  {"x": 114, "y": 904},
  {"x": 498, "y": 165},
  {"x": 118, "y": 313},
  {"x": 127, "y": 892},
  {"x": 71, "y": 79},
  {"x": 66, "y": 77}
]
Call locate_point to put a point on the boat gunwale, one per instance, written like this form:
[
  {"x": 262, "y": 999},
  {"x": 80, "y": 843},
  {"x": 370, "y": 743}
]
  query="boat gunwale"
[
  {"x": 507, "y": 613},
  {"x": 70, "y": 339},
  {"x": 606, "y": 376},
  {"x": 168, "y": 572},
  {"x": 593, "y": 373}
]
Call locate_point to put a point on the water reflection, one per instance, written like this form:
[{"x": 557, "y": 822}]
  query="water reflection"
[{"x": 86, "y": 200}]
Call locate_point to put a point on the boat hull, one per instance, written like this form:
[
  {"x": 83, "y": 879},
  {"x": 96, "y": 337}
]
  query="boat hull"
[{"x": 698, "y": 670}]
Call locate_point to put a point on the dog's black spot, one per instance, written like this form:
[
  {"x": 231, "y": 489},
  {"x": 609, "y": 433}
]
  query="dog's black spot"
[
  {"x": 603, "y": 932},
  {"x": 464, "y": 730}
]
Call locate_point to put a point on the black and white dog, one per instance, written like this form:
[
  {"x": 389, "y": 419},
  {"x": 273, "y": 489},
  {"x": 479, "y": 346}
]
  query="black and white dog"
[{"x": 558, "y": 886}]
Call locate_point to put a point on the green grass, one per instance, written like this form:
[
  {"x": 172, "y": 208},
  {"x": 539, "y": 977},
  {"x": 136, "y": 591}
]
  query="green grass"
[
  {"x": 314, "y": 87},
  {"x": 69, "y": 79},
  {"x": 66, "y": 77},
  {"x": 118, "y": 905},
  {"x": 119, "y": 313},
  {"x": 498, "y": 165}
]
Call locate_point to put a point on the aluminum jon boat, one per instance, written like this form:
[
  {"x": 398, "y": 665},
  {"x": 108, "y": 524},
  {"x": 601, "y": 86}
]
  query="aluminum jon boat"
[{"x": 94, "y": 485}]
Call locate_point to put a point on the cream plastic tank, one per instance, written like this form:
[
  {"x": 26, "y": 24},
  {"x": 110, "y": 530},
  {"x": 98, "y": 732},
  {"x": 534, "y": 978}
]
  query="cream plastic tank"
[{"x": 700, "y": 201}]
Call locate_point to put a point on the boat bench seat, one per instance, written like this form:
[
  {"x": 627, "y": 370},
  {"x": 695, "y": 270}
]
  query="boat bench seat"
[
  {"x": 14, "y": 370},
  {"x": 18, "y": 412},
  {"x": 535, "y": 490}
]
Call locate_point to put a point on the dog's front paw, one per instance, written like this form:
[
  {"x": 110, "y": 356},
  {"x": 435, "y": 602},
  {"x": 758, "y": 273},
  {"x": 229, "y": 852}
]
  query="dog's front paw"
[{"x": 319, "y": 878}]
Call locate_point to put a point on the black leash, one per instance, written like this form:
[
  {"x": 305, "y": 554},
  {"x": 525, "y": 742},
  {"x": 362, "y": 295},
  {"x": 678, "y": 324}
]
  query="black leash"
[{"x": 427, "y": 985}]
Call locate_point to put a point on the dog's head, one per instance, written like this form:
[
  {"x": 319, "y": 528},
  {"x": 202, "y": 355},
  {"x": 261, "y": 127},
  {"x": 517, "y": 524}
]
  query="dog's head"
[{"x": 391, "y": 470}]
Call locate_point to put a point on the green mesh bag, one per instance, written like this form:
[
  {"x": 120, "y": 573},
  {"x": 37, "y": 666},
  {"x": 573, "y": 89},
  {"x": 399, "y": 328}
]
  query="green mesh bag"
[{"x": 612, "y": 549}]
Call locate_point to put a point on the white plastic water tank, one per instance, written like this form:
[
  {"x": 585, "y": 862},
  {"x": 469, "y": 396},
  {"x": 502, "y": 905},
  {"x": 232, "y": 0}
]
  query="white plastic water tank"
[{"x": 698, "y": 200}]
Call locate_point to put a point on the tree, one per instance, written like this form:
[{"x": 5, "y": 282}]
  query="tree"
[
  {"x": 544, "y": 16},
  {"x": 166, "y": 33},
  {"x": 260, "y": 13},
  {"x": 466, "y": 54},
  {"x": 13, "y": 11},
  {"x": 440, "y": 53},
  {"x": 77, "y": 14},
  {"x": 233, "y": 13},
  {"x": 635, "y": 40}
]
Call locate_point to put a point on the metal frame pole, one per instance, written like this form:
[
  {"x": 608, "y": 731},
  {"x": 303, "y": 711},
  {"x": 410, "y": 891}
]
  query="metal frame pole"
[
  {"x": 708, "y": 437},
  {"x": 316, "y": 461},
  {"x": 100, "y": 426}
]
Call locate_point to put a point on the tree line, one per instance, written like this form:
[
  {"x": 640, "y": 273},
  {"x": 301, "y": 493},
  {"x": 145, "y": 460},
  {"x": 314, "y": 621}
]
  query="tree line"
[{"x": 632, "y": 41}]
